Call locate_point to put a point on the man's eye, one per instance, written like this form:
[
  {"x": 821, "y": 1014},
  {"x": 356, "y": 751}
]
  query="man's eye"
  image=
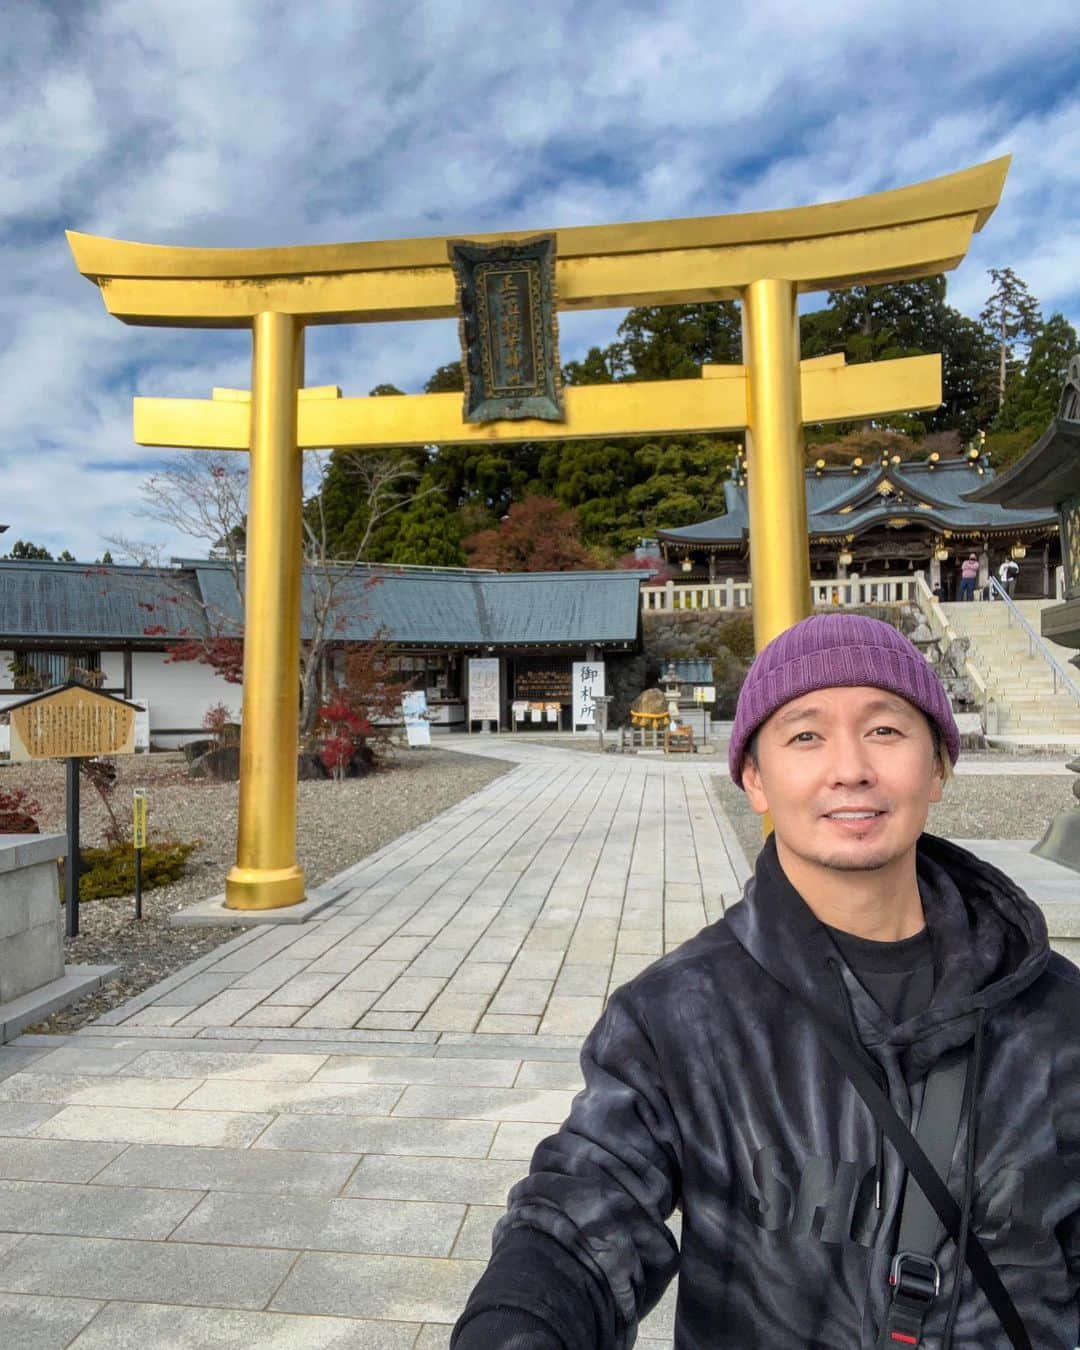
[
  {"x": 890, "y": 730},
  {"x": 800, "y": 734}
]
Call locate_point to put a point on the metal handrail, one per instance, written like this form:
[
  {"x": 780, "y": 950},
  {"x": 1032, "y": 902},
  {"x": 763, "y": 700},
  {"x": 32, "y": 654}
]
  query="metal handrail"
[{"x": 1057, "y": 670}]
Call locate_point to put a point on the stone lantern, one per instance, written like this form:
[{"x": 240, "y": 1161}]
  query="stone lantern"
[{"x": 672, "y": 688}]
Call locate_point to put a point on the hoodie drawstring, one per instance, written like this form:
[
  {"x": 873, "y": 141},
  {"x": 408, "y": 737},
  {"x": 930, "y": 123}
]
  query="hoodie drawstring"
[
  {"x": 879, "y": 1074},
  {"x": 970, "y": 1089}
]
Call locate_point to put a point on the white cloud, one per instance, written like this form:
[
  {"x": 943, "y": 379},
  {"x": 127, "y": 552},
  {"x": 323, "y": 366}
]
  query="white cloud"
[{"x": 241, "y": 122}]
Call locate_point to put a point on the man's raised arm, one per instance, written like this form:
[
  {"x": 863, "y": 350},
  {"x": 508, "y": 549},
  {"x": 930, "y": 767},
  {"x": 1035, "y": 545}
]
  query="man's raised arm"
[{"x": 583, "y": 1251}]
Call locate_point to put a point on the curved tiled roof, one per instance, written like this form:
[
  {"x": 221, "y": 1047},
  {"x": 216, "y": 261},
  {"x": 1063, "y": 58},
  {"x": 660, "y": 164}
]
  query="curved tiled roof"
[{"x": 942, "y": 487}]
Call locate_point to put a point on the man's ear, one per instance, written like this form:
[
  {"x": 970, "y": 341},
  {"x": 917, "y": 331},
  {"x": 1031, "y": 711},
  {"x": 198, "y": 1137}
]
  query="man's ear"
[{"x": 753, "y": 787}]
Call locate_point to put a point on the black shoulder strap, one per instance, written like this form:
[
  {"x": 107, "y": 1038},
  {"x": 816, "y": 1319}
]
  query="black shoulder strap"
[
  {"x": 936, "y": 1132},
  {"x": 935, "y": 1190}
]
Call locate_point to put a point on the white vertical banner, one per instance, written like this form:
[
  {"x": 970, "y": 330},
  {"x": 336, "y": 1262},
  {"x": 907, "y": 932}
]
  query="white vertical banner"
[
  {"x": 414, "y": 709},
  {"x": 588, "y": 685},
  {"x": 484, "y": 689}
]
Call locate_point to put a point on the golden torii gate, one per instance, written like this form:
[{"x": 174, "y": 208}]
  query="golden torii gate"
[{"x": 765, "y": 260}]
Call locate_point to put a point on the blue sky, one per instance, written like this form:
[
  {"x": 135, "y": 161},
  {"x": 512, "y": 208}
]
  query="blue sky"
[{"x": 246, "y": 122}]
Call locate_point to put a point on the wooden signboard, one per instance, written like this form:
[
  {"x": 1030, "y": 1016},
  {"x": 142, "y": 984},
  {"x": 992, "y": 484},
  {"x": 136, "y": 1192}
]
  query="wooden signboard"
[{"x": 72, "y": 721}]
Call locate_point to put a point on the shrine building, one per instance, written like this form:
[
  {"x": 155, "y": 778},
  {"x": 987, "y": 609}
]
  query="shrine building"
[
  {"x": 883, "y": 516},
  {"x": 121, "y": 624}
]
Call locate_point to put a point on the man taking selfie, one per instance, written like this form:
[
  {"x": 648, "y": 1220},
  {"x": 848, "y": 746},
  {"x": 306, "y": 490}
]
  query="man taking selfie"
[{"x": 880, "y": 1006}]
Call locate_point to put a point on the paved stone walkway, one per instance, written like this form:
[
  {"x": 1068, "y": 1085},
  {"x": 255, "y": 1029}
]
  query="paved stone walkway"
[{"x": 304, "y": 1139}]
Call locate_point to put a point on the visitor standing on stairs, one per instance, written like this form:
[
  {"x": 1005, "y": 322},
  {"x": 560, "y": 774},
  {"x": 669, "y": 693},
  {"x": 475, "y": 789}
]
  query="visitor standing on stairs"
[
  {"x": 876, "y": 1035},
  {"x": 969, "y": 574},
  {"x": 1007, "y": 574}
]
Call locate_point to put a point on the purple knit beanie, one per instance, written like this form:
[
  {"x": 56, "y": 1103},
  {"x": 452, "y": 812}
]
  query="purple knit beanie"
[{"x": 827, "y": 650}]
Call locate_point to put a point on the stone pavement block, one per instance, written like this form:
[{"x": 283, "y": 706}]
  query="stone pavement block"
[
  {"x": 435, "y": 963},
  {"x": 150, "y": 1126},
  {"x": 405, "y": 1288},
  {"x": 473, "y": 1103},
  {"x": 271, "y": 1015},
  {"x": 472, "y": 1181},
  {"x": 360, "y": 1069},
  {"x": 577, "y": 980},
  {"x": 304, "y": 988},
  {"x": 339, "y": 960},
  {"x": 272, "y": 975},
  {"x": 411, "y": 994},
  {"x": 478, "y": 977},
  {"x": 401, "y": 948},
  {"x": 224, "y": 1009},
  {"x": 159, "y": 1015},
  {"x": 92, "y": 1211},
  {"x": 85, "y": 1058},
  {"x": 327, "y": 1099},
  {"x": 95, "y": 1090},
  {"x": 379, "y": 1227},
  {"x": 454, "y": 1012},
  {"x": 518, "y": 1139},
  {"x": 14, "y": 1061},
  {"x": 634, "y": 942},
  {"x": 224, "y": 1064},
  {"x": 135, "y": 1326},
  {"x": 547, "y": 940},
  {"x": 378, "y": 1134},
  {"x": 313, "y": 945},
  {"x": 31, "y": 1322},
  {"x": 566, "y": 1014},
  {"x": 54, "y": 1159},
  {"x": 502, "y": 949},
  {"x": 549, "y": 1074},
  {"x": 20, "y": 1118},
  {"x": 522, "y": 996},
  {"x": 219, "y": 1169},
  {"x": 498, "y": 1023},
  {"x": 533, "y": 965},
  {"x": 374, "y": 974},
  {"x": 474, "y": 1240},
  {"x": 341, "y": 1008},
  {"x": 108, "y": 1268},
  {"x": 388, "y": 1021},
  {"x": 200, "y": 988}
]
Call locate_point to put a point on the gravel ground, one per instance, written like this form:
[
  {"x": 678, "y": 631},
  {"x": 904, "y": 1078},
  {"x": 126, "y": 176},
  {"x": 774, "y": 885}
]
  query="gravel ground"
[
  {"x": 338, "y": 824},
  {"x": 1012, "y": 806}
]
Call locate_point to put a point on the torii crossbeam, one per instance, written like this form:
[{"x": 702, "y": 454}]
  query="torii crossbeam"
[{"x": 765, "y": 260}]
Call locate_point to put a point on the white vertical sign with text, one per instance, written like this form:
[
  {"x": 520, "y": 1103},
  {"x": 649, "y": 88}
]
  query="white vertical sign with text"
[
  {"x": 484, "y": 689},
  {"x": 588, "y": 683}
]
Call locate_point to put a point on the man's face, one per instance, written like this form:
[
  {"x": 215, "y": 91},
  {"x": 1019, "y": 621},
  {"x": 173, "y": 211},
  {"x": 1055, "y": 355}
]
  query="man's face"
[{"x": 845, "y": 750}]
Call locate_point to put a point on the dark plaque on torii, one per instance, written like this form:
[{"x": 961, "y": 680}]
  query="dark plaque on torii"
[{"x": 509, "y": 329}]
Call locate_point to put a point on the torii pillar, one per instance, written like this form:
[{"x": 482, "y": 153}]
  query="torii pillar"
[{"x": 765, "y": 260}]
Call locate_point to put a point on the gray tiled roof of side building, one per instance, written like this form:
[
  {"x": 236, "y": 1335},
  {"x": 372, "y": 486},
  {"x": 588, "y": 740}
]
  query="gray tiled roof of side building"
[
  {"x": 43, "y": 600},
  {"x": 404, "y": 605}
]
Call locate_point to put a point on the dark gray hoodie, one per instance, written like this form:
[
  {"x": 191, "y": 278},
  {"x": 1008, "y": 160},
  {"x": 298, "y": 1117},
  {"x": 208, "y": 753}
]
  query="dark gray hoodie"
[{"x": 708, "y": 1088}]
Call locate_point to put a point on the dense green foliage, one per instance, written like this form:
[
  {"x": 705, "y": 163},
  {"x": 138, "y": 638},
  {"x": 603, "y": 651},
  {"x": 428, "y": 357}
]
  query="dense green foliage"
[
  {"x": 441, "y": 499},
  {"x": 111, "y": 870}
]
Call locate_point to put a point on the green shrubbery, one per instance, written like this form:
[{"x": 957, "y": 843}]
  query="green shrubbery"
[{"x": 111, "y": 870}]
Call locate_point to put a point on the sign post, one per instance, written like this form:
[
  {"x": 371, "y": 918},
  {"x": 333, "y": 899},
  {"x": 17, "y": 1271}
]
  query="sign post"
[
  {"x": 71, "y": 722},
  {"x": 138, "y": 839}
]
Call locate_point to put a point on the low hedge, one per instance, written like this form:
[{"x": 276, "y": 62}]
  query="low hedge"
[{"x": 111, "y": 870}]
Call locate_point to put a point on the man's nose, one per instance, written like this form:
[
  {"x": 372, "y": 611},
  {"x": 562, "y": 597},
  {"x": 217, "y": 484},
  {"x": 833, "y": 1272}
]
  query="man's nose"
[{"x": 851, "y": 760}]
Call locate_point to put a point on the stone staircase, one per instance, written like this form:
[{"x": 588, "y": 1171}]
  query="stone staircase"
[{"x": 1020, "y": 681}]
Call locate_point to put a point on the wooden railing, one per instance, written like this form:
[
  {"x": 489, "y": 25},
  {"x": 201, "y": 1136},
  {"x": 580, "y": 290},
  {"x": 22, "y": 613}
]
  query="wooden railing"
[{"x": 731, "y": 594}]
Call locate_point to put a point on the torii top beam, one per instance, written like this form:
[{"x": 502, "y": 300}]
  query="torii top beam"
[{"x": 889, "y": 236}]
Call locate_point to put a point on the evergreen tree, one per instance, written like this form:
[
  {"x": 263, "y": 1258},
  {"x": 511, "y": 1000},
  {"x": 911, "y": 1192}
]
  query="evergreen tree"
[
  {"x": 428, "y": 532},
  {"x": 106, "y": 559},
  {"x": 25, "y": 551},
  {"x": 1033, "y": 396},
  {"x": 66, "y": 556},
  {"x": 1011, "y": 316}
]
